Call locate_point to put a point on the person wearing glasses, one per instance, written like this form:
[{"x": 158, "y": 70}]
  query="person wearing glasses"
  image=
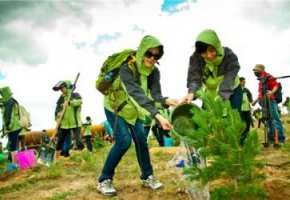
[
  {"x": 214, "y": 69},
  {"x": 137, "y": 90}
]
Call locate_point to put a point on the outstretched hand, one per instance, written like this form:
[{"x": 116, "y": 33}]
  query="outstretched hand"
[
  {"x": 171, "y": 102},
  {"x": 188, "y": 98},
  {"x": 164, "y": 122}
]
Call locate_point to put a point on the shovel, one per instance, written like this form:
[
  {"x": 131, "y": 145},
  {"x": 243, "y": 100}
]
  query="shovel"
[{"x": 47, "y": 151}]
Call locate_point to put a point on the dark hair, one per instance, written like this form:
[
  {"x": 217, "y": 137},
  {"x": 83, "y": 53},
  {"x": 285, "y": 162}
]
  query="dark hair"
[
  {"x": 88, "y": 118},
  {"x": 242, "y": 79},
  {"x": 201, "y": 47},
  {"x": 161, "y": 50}
]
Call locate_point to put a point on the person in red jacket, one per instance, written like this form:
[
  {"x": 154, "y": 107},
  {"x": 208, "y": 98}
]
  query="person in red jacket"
[{"x": 271, "y": 87}]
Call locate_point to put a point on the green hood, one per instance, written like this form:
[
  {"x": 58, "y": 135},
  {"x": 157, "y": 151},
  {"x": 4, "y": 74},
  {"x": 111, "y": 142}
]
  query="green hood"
[
  {"x": 68, "y": 86},
  {"x": 67, "y": 83},
  {"x": 6, "y": 94},
  {"x": 210, "y": 37},
  {"x": 146, "y": 43}
]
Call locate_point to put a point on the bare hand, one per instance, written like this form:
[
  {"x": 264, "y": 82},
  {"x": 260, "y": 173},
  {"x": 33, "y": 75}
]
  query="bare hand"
[
  {"x": 66, "y": 103},
  {"x": 171, "y": 102},
  {"x": 59, "y": 114},
  {"x": 164, "y": 122},
  {"x": 270, "y": 93},
  {"x": 254, "y": 102},
  {"x": 188, "y": 98}
]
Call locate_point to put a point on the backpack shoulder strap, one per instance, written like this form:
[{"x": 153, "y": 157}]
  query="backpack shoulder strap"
[
  {"x": 15, "y": 101},
  {"x": 132, "y": 65}
]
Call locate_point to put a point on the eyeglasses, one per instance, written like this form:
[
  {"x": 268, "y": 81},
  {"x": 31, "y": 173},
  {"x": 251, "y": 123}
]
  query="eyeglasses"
[{"x": 149, "y": 54}]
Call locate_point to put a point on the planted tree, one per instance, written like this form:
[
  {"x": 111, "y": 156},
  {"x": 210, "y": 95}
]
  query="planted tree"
[{"x": 214, "y": 133}]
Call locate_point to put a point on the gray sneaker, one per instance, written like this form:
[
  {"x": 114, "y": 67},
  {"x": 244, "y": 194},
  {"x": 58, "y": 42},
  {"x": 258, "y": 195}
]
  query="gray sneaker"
[
  {"x": 106, "y": 188},
  {"x": 152, "y": 183}
]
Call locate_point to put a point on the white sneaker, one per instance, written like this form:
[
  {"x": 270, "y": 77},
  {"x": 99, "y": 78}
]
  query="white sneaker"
[
  {"x": 106, "y": 188},
  {"x": 152, "y": 183}
]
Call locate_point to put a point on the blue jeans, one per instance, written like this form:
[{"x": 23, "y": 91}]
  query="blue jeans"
[
  {"x": 13, "y": 139},
  {"x": 124, "y": 134},
  {"x": 66, "y": 145},
  {"x": 276, "y": 123},
  {"x": 64, "y": 141}
]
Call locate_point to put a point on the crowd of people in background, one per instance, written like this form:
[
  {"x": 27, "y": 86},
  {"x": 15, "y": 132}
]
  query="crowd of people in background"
[
  {"x": 69, "y": 129},
  {"x": 213, "y": 70}
]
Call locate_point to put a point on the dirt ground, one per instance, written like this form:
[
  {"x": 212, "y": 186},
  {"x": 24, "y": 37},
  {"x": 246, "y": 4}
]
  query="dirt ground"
[{"x": 83, "y": 186}]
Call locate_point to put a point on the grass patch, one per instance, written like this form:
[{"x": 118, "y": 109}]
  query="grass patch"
[
  {"x": 55, "y": 171},
  {"x": 18, "y": 187},
  {"x": 61, "y": 195},
  {"x": 286, "y": 147}
]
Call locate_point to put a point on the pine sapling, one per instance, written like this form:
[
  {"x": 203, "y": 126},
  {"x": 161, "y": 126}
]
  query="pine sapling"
[{"x": 215, "y": 133}]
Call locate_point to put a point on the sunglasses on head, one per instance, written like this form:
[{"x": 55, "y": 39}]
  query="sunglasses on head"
[{"x": 149, "y": 54}]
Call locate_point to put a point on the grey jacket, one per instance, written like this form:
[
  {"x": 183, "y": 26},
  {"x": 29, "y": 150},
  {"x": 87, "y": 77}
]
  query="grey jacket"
[
  {"x": 229, "y": 67},
  {"x": 133, "y": 87}
]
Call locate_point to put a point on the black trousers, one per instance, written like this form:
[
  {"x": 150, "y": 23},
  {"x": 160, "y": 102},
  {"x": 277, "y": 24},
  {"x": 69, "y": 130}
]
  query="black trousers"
[
  {"x": 247, "y": 118},
  {"x": 88, "y": 142}
]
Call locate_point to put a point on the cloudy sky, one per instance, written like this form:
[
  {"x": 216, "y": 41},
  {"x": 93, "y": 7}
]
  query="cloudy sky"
[{"x": 42, "y": 42}]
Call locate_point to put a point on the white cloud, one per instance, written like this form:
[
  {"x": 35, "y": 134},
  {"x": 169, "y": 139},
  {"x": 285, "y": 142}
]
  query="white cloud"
[{"x": 253, "y": 42}]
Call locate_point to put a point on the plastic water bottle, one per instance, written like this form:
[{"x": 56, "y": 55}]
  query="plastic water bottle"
[{"x": 109, "y": 76}]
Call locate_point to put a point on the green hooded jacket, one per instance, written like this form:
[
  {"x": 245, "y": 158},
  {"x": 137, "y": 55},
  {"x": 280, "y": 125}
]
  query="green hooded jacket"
[
  {"x": 72, "y": 115},
  {"x": 10, "y": 111},
  {"x": 87, "y": 127},
  {"x": 218, "y": 77},
  {"x": 137, "y": 88}
]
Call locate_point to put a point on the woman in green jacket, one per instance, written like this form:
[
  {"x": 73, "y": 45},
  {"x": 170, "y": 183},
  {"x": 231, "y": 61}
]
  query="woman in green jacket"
[
  {"x": 11, "y": 124},
  {"x": 214, "y": 69},
  {"x": 136, "y": 91}
]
